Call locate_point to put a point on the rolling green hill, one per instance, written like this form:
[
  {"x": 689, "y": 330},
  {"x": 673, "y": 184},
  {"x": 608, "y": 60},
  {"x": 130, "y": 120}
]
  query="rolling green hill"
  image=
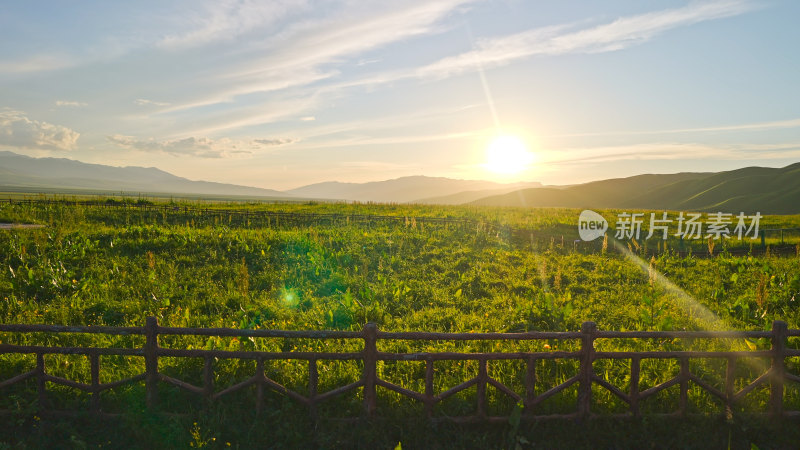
[{"x": 750, "y": 189}]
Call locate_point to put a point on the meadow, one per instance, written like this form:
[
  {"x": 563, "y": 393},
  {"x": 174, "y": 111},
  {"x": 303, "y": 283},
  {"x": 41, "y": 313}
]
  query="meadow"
[{"x": 499, "y": 270}]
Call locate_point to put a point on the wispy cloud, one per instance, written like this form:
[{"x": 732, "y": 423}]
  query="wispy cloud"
[
  {"x": 670, "y": 151},
  {"x": 198, "y": 146},
  {"x": 399, "y": 125},
  {"x": 225, "y": 20},
  {"x": 244, "y": 117},
  {"x": 389, "y": 140},
  {"x": 300, "y": 54},
  {"x": 146, "y": 102},
  {"x": 555, "y": 40},
  {"x": 374, "y": 165},
  {"x": 67, "y": 103},
  {"x": 364, "y": 62},
  {"x": 17, "y": 130},
  {"x": 36, "y": 63},
  {"x": 274, "y": 142},
  {"x": 561, "y": 39},
  {"x": 564, "y": 39},
  {"x": 757, "y": 126}
]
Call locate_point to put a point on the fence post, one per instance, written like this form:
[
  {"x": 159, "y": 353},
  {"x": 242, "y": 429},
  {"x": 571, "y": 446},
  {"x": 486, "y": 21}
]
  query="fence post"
[
  {"x": 313, "y": 383},
  {"x": 429, "y": 387},
  {"x": 481, "y": 387},
  {"x": 151, "y": 361},
  {"x": 208, "y": 378},
  {"x": 588, "y": 330},
  {"x": 260, "y": 381},
  {"x": 530, "y": 385},
  {"x": 94, "y": 362},
  {"x": 370, "y": 331},
  {"x": 636, "y": 364},
  {"x": 41, "y": 385},
  {"x": 778, "y": 369}
]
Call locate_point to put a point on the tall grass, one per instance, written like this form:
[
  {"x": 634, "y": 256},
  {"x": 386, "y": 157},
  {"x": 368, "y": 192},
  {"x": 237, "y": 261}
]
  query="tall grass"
[{"x": 103, "y": 266}]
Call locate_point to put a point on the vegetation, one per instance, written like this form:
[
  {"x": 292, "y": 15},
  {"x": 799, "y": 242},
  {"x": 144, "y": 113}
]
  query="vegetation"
[
  {"x": 751, "y": 189},
  {"x": 504, "y": 270}
]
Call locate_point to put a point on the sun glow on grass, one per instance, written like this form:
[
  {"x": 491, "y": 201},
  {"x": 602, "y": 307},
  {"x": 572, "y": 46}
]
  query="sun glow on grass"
[
  {"x": 289, "y": 298},
  {"x": 507, "y": 155},
  {"x": 701, "y": 314}
]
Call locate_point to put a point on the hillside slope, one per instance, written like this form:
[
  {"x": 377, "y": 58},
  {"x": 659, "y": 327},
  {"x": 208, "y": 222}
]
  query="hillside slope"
[{"x": 750, "y": 189}]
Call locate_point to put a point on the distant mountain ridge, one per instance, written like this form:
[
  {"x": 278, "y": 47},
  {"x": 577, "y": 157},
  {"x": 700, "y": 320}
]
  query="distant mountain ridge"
[
  {"x": 750, "y": 189},
  {"x": 24, "y": 172},
  {"x": 400, "y": 190}
]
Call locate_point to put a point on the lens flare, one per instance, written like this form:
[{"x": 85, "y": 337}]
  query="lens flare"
[
  {"x": 289, "y": 298},
  {"x": 702, "y": 315}
]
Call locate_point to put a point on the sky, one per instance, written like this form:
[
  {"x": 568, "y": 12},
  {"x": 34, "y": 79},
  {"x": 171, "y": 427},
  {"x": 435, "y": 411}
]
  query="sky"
[{"x": 283, "y": 93}]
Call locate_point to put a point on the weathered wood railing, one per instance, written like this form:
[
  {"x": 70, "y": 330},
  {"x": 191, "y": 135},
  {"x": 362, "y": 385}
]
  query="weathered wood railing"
[{"x": 775, "y": 376}]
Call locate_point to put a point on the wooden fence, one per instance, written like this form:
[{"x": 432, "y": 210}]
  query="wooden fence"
[{"x": 774, "y": 376}]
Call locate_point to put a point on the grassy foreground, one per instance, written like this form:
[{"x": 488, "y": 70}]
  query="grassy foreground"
[{"x": 113, "y": 266}]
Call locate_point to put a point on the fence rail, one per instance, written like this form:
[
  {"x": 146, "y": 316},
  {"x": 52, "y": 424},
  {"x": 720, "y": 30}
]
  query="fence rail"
[{"x": 774, "y": 377}]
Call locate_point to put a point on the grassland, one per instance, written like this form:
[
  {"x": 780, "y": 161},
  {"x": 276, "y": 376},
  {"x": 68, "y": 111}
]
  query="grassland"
[{"x": 505, "y": 270}]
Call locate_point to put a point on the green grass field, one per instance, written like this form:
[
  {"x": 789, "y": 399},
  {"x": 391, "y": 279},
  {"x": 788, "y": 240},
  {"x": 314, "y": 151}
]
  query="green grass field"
[{"x": 508, "y": 270}]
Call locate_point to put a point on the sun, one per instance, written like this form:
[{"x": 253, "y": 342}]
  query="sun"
[{"x": 507, "y": 155}]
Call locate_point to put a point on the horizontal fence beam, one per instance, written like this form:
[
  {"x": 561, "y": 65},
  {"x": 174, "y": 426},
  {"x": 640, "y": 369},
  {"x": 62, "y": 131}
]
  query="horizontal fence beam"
[{"x": 585, "y": 378}]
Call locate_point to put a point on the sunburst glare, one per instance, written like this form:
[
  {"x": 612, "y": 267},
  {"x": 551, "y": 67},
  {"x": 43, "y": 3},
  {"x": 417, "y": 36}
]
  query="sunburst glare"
[{"x": 508, "y": 155}]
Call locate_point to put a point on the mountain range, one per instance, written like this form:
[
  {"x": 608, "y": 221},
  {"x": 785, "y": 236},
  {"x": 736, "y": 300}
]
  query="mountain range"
[
  {"x": 18, "y": 172},
  {"x": 415, "y": 189},
  {"x": 750, "y": 189},
  {"x": 27, "y": 174}
]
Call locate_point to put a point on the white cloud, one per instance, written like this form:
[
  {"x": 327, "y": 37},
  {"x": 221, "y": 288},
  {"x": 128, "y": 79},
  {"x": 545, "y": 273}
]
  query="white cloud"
[
  {"x": 274, "y": 142},
  {"x": 36, "y": 63},
  {"x": 17, "y": 130},
  {"x": 756, "y": 126},
  {"x": 224, "y": 20},
  {"x": 564, "y": 39},
  {"x": 146, "y": 102},
  {"x": 66, "y": 103},
  {"x": 297, "y": 55},
  {"x": 401, "y": 126},
  {"x": 364, "y": 62},
  {"x": 374, "y": 165},
  {"x": 242, "y": 117},
  {"x": 670, "y": 151},
  {"x": 198, "y": 146},
  {"x": 390, "y": 140}
]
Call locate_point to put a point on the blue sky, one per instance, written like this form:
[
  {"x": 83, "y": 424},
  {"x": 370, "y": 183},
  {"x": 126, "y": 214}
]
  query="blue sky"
[{"x": 283, "y": 93}]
